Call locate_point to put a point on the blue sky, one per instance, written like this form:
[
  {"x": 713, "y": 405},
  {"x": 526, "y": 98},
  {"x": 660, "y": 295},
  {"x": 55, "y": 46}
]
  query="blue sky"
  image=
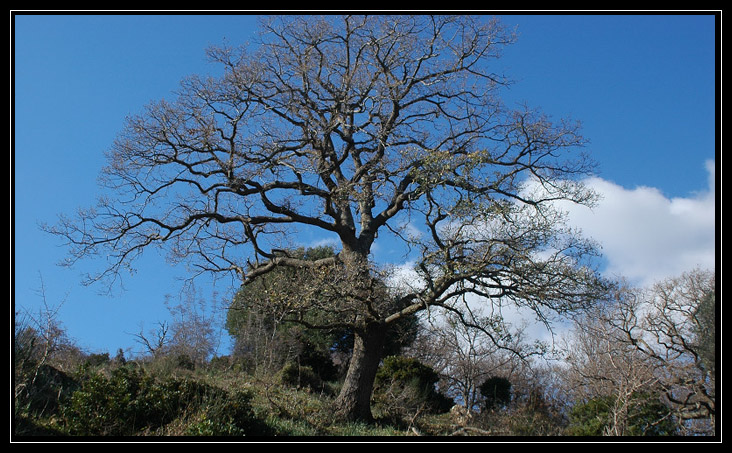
[{"x": 643, "y": 86}]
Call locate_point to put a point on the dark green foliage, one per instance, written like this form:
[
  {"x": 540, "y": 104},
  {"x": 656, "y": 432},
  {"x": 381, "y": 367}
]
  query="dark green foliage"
[
  {"x": 399, "y": 335},
  {"x": 130, "y": 401},
  {"x": 646, "y": 416},
  {"x": 227, "y": 415},
  {"x": 650, "y": 417},
  {"x": 121, "y": 404},
  {"x": 94, "y": 360},
  {"x": 300, "y": 376},
  {"x": 184, "y": 361},
  {"x": 120, "y": 357},
  {"x": 319, "y": 360},
  {"x": 405, "y": 369},
  {"x": 496, "y": 391},
  {"x": 263, "y": 324},
  {"x": 406, "y": 377},
  {"x": 220, "y": 363},
  {"x": 267, "y": 318},
  {"x": 590, "y": 418}
]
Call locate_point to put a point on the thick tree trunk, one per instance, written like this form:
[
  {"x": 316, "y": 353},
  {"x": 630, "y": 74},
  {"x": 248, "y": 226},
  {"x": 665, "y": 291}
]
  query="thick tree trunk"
[{"x": 354, "y": 401}]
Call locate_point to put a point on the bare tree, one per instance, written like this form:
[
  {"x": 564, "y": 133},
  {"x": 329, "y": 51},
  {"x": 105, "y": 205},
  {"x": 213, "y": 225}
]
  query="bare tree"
[
  {"x": 355, "y": 127},
  {"x": 39, "y": 339},
  {"x": 263, "y": 342},
  {"x": 155, "y": 341},
  {"x": 193, "y": 326},
  {"x": 668, "y": 326},
  {"x": 190, "y": 332},
  {"x": 464, "y": 357},
  {"x": 600, "y": 365},
  {"x": 653, "y": 341}
]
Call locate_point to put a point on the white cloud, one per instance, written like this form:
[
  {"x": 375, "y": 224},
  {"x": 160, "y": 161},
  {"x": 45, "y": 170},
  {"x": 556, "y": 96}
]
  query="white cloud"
[
  {"x": 646, "y": 236},
  {"x": 324, "y": 242}
]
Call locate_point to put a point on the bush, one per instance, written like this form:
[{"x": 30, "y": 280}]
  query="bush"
[
  {"x": 95, "y": 360},
  {"x": 319, "y": 360},
  {"x": 227, "y": 415},
  {"x": 220, "y": 363},
  {"x": 121, "y": 404},
  {"x": 496, "y": 391},
  {"x": 299, "y": 376},
  {"x": 184, "y": 361},
  {"x": 405, "y": 386},
  {"x": 130, "y": 401}
]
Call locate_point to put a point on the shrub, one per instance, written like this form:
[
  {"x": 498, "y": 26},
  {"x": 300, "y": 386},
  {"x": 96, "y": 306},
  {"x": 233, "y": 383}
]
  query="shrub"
[
  {"x": 129, "y": 401},
  {"x": 496, "y": 391},
  {"x": 102, "y": 406},
  {"x": 220, "y": 363},
  {"x": 226, "y": 415},
  {"x": 319, "y": 360},
  {"x": 95, "y": 360},
  {"x": 404, "y": 385},
  {"x": 120, "y": 404},
  {"x": 300, "y": 376},
  {"x": 184, "y": 361}
]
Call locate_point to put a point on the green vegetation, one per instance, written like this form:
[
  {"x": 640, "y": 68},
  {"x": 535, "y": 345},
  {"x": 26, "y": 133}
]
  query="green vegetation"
[
  {"x": 131, "y": 401},
  {"x": 496, "y": 391},
  {"x": 646, "y": 416},
  {"x": 62, "y": 391},
  {"x": 404, "y": 386},
  {"x": 118, "y": 400},
  {"x": 144, "y": 398},
  {"x": 221, "y": 398}
]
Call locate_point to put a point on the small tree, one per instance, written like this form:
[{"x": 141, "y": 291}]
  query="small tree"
[
  {"x": 191, "y": 333},
  {"x": 404, "y": 387},
  {"x": 604, "y": 370},
  {"x": 38, "y": 339},
  {"x": 264, "y": 320},
  {"x": 193, "y": 327},
  {"x": 156, "y": 341},
  {"x": 496, "y": 392}
]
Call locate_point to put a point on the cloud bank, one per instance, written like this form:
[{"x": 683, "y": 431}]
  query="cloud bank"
[{"x": 646, "y": 236}]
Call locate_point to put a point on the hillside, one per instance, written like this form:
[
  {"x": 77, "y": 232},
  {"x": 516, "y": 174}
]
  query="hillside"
[{"x": 170, "y": 398}]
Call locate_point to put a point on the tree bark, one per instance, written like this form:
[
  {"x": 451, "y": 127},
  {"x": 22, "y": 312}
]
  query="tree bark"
[{"x": 354, "y": 401}]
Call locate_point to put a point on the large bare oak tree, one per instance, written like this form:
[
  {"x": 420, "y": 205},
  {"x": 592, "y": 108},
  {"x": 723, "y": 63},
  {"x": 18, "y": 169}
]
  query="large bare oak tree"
[{"x": 355, "y": 127}]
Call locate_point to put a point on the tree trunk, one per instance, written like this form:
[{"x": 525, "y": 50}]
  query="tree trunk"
[{"x": 354, "y": 401}]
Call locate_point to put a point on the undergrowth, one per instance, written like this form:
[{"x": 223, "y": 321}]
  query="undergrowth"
[{"x": 133, "y": 400}]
